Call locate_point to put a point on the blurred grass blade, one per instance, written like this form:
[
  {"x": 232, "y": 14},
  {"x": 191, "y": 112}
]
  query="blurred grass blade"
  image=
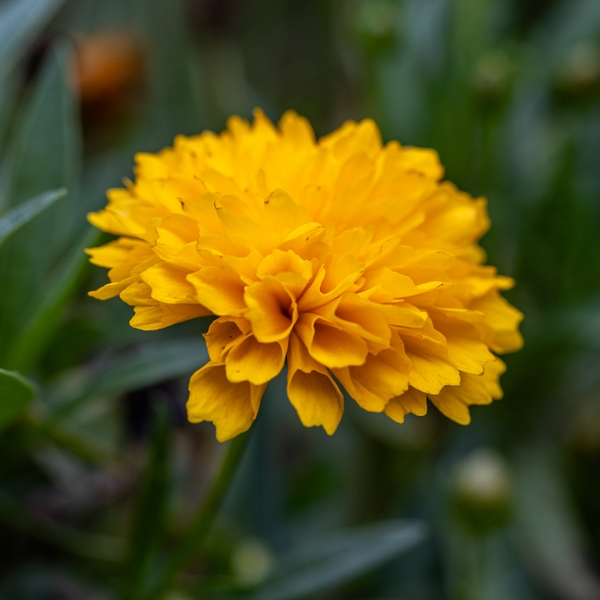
[
  {"x": 152, "y": 364},
  {"x": 195, "y": 535},
  {"x": 44, "y": 154},
  {"x": 150, "y": 518},
  {"x": 23, "y": 213},
  {"x": 20, "y": 22},
  {"x": 78, "y": 543},
  {"x": 339, "y": 558},
  {"x": 16, "y": 393},
  {"x": 175, "y": 105},
  {"x": 549, "y": 535},
  {"x": 44, "y": 318},
  {"x": 10, "y": 90}
]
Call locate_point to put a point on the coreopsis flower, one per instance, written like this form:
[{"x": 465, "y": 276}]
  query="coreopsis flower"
[{"x": 349, "y": 260}]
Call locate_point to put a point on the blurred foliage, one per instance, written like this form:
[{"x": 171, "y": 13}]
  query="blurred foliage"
[{"x": 101, "y": 477}]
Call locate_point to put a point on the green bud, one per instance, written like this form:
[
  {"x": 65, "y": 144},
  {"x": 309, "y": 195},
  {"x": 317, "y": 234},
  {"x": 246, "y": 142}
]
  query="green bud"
[
  {"x": 481, "y": 492},
  {"x": 374, "y": 24},
  {"x": 579, "y": 71},
  {"x": 583, "y": 434},
  {"x": 252, "y": 562},
  {"x": 493, "y": 73}
]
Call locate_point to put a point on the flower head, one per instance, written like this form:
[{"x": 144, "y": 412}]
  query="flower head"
[{"x": 349, "y": 260}]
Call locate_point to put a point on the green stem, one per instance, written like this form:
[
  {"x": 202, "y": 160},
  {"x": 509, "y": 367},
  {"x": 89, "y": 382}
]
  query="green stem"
[
  {"x": 471, "y": 582},
  {"x": 195, "y": 535}
]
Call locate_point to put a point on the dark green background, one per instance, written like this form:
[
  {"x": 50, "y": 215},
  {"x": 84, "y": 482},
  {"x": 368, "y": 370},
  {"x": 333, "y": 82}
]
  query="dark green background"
[{"x": 101, "y": 473}]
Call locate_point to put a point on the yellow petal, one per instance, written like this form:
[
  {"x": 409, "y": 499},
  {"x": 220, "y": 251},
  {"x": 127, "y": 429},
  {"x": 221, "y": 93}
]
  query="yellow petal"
[
  {"x": 297, "y": 129},
  {"x": 123, "y": 256},
  {"x": 110, "y": 290},
  {"x": 499, "y": 328},
  {"x": 272, "y": 310},
  {"x": 391, "y": 286},
  {"x": 330, "y": 345},
  {"x": 159, "y": 315},
  {"x": 232, "y": 407},
  {"x": 124, "y": 251},
  {"x": 173, "y": 233},
  {"x": 223, "y": 334},
  {"x": 203, "y": 211},
  {"x": 336, "y": 276},
  {"x": 219, "y": 289},
  {"x": 261, "y": 238},
  {"x": 359, "y": 316},
  {"x": 429, "y": 371},
  {"x": 282, "y": 214},
  {"x": 169, "y": 284},
  {"x": 465, "y": 348},
  {"x": 412, "y": 401},
  {"x": 249, "y": 360},
  {"x": 381, "y": 378},
  {"x": 311, "y": 390},
  {"x": 293, "y": 272},
  {"x": 452, "y": 407},
  {"x": 453, "y": 401},
  {"x": 151, "y": 314}
]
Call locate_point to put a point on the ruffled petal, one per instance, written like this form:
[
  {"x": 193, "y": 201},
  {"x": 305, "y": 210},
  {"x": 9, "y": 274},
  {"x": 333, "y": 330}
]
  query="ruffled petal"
[
  {"x": 311, "y": 389},
  {"x": 231, "y": 407}
]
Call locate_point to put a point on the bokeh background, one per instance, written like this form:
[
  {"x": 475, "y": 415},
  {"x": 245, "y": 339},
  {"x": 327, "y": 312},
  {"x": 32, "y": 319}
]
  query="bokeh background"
[{"x": 100, "y": 474}]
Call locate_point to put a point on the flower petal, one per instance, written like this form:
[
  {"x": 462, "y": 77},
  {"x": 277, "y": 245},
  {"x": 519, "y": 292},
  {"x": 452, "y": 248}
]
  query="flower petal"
[
  {"x": 232, "y": 407},
  {"x": 381, "y": 378},
  {"x": 411, "y": 401},
  {"x": 311, "y": 389},
  {"x": 329, "y": 344},
  {"x": 249, "y": 360},
  {"x": 272, "y": 310},
  {"x": 223, "y": 334},
  {"x": 219, "y": 289}
]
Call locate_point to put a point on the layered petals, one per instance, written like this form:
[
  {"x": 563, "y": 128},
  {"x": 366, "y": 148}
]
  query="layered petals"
[
  {"x": 232, "y": 407},
  {"x": 349, "y": 259},
  {"x": 311, "y": 389}
]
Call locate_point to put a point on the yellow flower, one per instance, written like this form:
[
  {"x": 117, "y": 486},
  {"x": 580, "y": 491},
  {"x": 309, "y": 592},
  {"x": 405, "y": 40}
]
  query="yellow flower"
[{"x": 349, "y": 260}]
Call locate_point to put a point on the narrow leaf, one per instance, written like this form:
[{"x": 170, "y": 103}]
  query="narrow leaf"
[
  {"x": 43, "y": 318},
  {"x": 150, "y": 365},
  {"x": 44, "y": 154},
  {"x": 550, "y": 538},
  {"x": 17, "y": 217},
  {"x": 150, "y": 519},
  {"x": 20, "y": 22},
  {"x": 16, "y": 393},
  {"x": 337, "y": 559}
]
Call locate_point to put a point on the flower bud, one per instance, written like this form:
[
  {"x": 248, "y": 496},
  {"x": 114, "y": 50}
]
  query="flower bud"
[
  {"x": 481, "y": 492},
  {"x": 251, "y": 562},
  {"x": 579, "y": 71},
  {"x": 374, "y": 24},
  {"x": 493, "y": 73}
]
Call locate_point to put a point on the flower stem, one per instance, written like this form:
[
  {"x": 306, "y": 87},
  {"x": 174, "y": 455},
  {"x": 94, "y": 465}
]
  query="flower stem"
[{"x": 196, "y": 533}]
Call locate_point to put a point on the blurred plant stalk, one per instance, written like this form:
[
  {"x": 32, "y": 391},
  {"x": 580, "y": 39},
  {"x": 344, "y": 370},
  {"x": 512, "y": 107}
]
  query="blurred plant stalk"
[
  {"x": 481, "y": 504},
  {"x": 193, "y": 540}
]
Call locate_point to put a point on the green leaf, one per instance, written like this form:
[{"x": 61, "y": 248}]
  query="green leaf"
[
  {"x": 16, "y": 393},
  {"x": 339, "y": 558},
  {"x": 44, "y": 154},
  {"x": 10, "y": 90},
  {"x": 20, "y": 22},
  {"x": 150, "y": 520},
  {"x": 23, "y": 213},
  {"x": 150, "y": 365},
  {"x": 175, "y": 105},
  {"x": 548, "y": 532},
  {"x": 43, "y": 318}
]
